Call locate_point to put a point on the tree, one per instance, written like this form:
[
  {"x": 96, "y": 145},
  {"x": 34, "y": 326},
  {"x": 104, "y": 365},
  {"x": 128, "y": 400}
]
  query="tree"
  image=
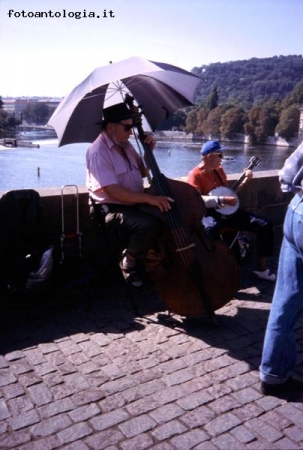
[
  {"x": 260, "y": 125},
  {"x": 252, "y": 123},
  {"x": 262, "y": 130},
  {"x": 42, "y": 112},
  {"x": 8, "y": 122},
  {"x": 232, "y": 122},
  {"x": 28, "y": 113},
  {"x": 273, "y": 107},
  {"x": 212, "y": 125},
  {"x": 175, "y": 122},
  {"x": 179, "y": 118},
  {"x": 289, "y": 122},
  {"x": 297, "y": 94},
  {"x": 212, "y": 99},
  {"x": 261, "y": 89},
  {"x": 3, "y": 124},
  {"x": 201, "y": 119},
  {"x": 36, "y": 113},
  {"x": 268, "y": 122},
  {"x": 251, "y": 80},
  {"x": 191, "y": 122}
]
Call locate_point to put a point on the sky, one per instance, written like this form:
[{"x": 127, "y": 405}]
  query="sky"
[{"x": 49, "y": 56}]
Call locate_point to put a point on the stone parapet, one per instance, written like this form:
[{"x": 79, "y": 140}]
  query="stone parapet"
[{"x": 262, "y": 195}]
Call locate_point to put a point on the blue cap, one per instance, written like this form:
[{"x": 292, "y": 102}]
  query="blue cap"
[{"x": 210, "y": 147}]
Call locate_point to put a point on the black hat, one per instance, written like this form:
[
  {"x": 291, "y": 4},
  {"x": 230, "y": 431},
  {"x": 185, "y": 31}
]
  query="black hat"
[{"x": 116, "y": 113}]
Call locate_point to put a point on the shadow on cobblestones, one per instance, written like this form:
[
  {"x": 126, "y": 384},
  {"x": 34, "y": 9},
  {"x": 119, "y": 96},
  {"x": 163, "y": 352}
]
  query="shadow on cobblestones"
[
  {"x": 107, "y": 307},
  {"x": 92, "y": 367}
]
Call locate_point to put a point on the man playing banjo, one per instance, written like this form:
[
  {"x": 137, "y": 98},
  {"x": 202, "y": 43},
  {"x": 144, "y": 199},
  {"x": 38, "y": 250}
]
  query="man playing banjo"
[{"x": 208, "y": 176}]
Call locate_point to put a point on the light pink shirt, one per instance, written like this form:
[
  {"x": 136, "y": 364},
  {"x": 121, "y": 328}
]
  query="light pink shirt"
[{"x": 105, "y": 166}]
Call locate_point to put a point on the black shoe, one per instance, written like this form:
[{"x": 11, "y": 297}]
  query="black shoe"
[
  {"x": 292, "y": 388},
  {"x": 132, "y": 275}
]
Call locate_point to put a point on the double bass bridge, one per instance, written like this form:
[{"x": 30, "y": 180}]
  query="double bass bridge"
[{"x": 188, "y": 247}]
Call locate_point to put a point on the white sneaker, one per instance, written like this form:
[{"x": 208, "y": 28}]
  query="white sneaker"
[{"x": 265, "y": 275}]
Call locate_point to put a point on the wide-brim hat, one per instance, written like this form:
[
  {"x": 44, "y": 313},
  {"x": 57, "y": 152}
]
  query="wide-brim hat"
[
  {"x": 211, "y": 147},
  {"x": 116, "y": 113}
]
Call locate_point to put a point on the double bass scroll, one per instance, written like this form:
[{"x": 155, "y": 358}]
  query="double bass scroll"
[{"x": 195, "y": 276}]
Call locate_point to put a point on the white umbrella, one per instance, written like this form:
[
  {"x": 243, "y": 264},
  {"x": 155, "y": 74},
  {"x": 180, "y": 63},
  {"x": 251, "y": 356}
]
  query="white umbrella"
[{"x": 158, "y": 88}]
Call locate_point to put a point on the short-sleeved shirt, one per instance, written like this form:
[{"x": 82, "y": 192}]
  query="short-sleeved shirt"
[
  {"x": 106, "y": 166},
  {"x": 206, "y": 182}
]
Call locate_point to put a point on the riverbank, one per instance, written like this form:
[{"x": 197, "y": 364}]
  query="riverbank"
[
  {"x": 15, "y": 143},
  {"x": 238, "y": 139},
  {"x": 170, "y": 136}
]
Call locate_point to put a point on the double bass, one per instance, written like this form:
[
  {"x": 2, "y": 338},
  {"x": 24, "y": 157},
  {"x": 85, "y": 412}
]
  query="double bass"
[{"x": 194, "y": 276}]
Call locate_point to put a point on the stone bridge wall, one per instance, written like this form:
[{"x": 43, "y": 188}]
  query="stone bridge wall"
[{"x": 262, "y": 196}]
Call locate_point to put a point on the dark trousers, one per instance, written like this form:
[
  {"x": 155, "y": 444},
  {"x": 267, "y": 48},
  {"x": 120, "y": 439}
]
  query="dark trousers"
[
  {"x": 139, "y": 229},
  {"x": 244, "y": 221}
]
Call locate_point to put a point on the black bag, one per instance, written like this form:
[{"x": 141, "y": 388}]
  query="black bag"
[{"x": 22, "y": 240}]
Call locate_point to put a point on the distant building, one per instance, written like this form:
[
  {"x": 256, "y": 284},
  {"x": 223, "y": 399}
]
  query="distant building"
[
  {"x": 9, "y": 105},
  {"x": 16, "y": 106}
]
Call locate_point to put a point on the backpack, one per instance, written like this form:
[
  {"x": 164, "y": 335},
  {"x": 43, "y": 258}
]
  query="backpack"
[{"x": 22, "y": 240}]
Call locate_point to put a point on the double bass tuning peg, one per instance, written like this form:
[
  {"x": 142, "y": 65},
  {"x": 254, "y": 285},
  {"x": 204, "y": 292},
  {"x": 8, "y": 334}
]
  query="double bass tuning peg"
[{"x": 135, "y": 110}]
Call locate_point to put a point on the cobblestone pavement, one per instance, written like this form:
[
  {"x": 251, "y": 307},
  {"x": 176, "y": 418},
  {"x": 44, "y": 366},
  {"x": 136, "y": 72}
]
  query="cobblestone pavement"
[{"x": 78, "y": 373}]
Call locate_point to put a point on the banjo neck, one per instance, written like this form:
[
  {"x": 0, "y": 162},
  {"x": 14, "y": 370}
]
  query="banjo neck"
[
  {"x": 236, "y": 185},
  {"x": 254, "y": 161}
]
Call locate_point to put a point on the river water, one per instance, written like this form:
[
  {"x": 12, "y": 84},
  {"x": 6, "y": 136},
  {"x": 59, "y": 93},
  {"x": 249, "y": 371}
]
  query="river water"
[{"x": 66, "y": 165}]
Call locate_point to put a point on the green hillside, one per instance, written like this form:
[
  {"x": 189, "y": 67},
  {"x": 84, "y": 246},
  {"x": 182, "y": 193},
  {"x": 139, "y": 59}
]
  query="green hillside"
[{"x": 250, "y": 81}]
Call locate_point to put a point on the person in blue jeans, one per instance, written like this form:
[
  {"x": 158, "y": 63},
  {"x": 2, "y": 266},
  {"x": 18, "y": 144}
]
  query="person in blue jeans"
[{"x": 279, "y": 349}]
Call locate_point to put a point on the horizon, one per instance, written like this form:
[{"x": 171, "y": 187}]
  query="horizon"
[
  {"x": 50, "y": 49},
  {"x": 54, "y": 97}
]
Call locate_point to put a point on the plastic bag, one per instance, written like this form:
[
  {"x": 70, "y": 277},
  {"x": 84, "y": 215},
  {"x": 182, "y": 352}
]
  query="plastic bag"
[{"x": 38, "y": 278}]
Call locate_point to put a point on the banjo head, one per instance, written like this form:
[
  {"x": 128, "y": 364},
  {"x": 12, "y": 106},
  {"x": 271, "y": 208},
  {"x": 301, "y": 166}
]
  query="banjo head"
[{"x": 224, "y": 191}]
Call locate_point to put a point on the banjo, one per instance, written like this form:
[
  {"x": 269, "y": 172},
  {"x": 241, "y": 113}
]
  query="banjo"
[{"x": 224, "y": 191}]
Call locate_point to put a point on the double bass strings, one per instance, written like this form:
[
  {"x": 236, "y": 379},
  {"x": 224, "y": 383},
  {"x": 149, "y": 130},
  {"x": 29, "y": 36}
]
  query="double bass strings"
[{"x": 184, "y": 247}]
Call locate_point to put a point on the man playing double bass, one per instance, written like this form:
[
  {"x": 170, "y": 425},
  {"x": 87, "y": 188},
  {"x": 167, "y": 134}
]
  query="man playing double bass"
[
  {"x": 115, "y": 173},
  {"x": 208, "y": 175}
]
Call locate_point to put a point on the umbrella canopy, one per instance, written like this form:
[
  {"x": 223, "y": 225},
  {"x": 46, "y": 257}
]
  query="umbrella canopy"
[{"x": 158, "y": 88}]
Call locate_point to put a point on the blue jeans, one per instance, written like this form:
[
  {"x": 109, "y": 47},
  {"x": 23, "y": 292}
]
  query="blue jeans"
[{"x": 279, "y": 350}]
